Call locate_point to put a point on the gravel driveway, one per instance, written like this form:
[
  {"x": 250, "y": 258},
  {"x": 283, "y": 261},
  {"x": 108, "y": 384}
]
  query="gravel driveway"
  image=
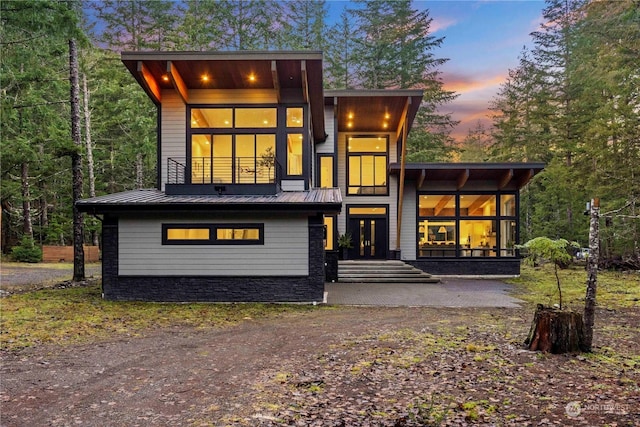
[{"x": 18, "y": 277}]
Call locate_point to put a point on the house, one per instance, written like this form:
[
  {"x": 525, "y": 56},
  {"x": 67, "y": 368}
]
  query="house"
[{"x": 260, "y": 170}]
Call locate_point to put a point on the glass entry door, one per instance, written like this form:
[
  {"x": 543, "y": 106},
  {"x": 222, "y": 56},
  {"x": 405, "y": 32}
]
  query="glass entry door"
[{"x": 369, "y": 238}]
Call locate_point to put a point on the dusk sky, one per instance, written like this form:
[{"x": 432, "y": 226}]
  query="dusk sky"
[{"x": 482, "y": 41}]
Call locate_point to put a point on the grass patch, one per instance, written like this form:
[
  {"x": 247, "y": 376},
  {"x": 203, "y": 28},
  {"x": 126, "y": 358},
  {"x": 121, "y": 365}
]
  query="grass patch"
[
  {"x": 615, "y": 289},
  {"x": 76, "y": 315}
]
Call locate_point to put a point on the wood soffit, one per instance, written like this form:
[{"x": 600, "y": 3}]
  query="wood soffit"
[
  {"x": 504, "y": 175},
  {"x": 297, "y": 74}
]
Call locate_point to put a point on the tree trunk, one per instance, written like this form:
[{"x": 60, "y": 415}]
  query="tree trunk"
[
  {"x": 592, "y": 278},
  {"x": 76, "y": 165},
  {"x": 139, "y": 172},
  {"x": 27, "y": 226},
  {"x": 89, "y": 145},
  {"x": 556, "y": 331}
]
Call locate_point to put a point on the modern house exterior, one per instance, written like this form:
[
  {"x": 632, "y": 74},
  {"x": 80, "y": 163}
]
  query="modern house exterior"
[{"x": 260, "y": 170}]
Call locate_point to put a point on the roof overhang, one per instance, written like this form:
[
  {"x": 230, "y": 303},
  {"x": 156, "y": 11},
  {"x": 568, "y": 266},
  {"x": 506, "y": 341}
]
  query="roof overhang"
[
  {"x": 319, "y": 200},
  {"x": 374, "y": 110},
  {"x": 502, "y": 175},
  {"x": 294, "y": 76}
]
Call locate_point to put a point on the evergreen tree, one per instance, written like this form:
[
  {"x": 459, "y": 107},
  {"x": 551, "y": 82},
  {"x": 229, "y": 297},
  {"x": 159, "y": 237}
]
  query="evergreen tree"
[
  {"x": 304, "y": 25},
  {"x": 192, "y": 32},
  {"x": 131, "y": 25},
  {"x": 339, "y": 58}
]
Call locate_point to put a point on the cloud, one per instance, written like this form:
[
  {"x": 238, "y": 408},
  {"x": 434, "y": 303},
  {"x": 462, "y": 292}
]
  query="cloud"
[
  {"x": 440, "y": 23},
  {"x": 465, "y": 84}
]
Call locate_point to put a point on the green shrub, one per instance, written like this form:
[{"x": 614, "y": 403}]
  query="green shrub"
[{"x": 27, "y": 251}]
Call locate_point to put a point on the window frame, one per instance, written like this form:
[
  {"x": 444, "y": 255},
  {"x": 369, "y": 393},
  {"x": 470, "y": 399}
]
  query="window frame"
[
  {"x": 457, "y": 218},
  {"x": 374, "y": 154},
  {"x": 213, "y": 234}
]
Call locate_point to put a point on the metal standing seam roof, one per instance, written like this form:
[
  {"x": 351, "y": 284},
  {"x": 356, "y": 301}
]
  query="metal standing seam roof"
[{"x": 317, "y": 198}]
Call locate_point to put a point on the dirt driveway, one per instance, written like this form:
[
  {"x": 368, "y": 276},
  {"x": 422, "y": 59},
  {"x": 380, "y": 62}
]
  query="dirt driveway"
[{"x": 328, "y": 367}]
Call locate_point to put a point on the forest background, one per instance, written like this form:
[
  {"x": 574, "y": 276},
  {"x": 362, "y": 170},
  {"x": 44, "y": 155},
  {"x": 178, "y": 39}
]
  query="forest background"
[{"x": 572, "y": 102}]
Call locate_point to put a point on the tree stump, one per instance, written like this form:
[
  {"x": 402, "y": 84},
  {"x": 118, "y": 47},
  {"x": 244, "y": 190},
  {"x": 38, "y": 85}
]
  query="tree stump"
[{"x": 556, "y": 331}]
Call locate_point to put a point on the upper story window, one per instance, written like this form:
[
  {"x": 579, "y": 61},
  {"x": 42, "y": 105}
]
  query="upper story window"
[
  {"x": 325, "y": 171},
  {"x": 367, "y": 159},
  {"x": 233, "y": 145},
  {"x": 227, "y": 118}
]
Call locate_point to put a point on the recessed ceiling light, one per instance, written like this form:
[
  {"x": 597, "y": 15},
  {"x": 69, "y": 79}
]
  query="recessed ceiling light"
[
  {"x": 252, "y": 77},
  {"x": 350, "y": 116},
  {"x": 387, "y": 116},
  {"x": 165, "y": 78},
  {"x": 205, "y": 78},
  {"x": 384, "y": 125}
]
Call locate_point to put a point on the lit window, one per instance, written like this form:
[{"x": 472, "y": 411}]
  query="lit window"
[
  {"x": 213, "y": 234},
  {"x": 187, "y": 234},
  {"x": 256, "y": 117},
  {"x": 326, "y": 172},
  {"x": 367, "y": 166},
  {"x": 294, "y": 154},
  {"x": 238, "y": 234},
  {"x": 294, "y": 117}
]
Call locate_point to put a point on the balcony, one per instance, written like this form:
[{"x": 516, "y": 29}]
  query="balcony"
[{"x": 223, "y": 175}]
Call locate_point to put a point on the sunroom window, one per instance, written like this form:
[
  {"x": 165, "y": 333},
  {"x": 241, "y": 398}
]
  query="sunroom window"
[{"x": 466, "y": 225}]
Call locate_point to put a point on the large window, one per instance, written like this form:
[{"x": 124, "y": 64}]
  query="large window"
[
  {"x": 367, "y": 158},
  {"x": 213, "y": 234},
  {"x": 467, "y": 225},
  {"x": 233, "y": 145}
]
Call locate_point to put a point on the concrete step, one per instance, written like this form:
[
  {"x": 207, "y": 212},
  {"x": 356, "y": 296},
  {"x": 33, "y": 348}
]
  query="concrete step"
[{"x": 381, "y": 271}]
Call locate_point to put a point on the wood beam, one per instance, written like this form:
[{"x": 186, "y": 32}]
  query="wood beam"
[
  {"x": 477, "y": 204},
  {"x": 442, "y": 203},
  {"x": 276, "y": 80},
  {"x": 421, "y": 178},
  {"x": 506, "y": 178},
  {"x": 462, "y": 179},
  {"x": 150, "y": 84},
  {"x": 305, "y": 81},
  {"x": 178, "y": 82},
  {"x": 403, "y": 117},
  {"x": 525, "y": 178}
]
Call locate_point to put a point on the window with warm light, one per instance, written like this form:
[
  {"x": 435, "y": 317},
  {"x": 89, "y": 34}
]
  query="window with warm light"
[
  {"x": 213, "y": 234},
  {"x": 294, "y": 117},
  {"x": 325, "y": 170},
  {"x": 466, "y": 225},
  {"x": 367, "y": 159},
  {"x": 294, "y": 154},
  {"x": 329, "y": 226},
  {"x": 233, "y": 145},
  {"x": 256, "y": 118}
]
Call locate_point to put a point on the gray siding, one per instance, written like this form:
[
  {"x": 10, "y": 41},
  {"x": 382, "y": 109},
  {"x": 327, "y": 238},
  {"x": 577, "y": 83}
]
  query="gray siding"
[
  {"x": 292, "y": 185},
  {"x": 328, "y": 147},
  {"x": 284, "y": 253},
  {"x": 409, "y": 222},
  {"x": 173, "y": 130}
]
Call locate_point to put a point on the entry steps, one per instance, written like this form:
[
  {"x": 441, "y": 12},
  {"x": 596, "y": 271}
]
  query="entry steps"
[{"x": 382, "y": 271}]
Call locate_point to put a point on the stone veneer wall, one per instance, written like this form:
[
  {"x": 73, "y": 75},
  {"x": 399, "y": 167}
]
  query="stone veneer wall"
[
  {"x": 469, "y": 266},
  {"x": 214, "y": 288}
]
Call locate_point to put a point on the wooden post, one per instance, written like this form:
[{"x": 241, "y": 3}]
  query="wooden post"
[{"x": 592, "y": 273}]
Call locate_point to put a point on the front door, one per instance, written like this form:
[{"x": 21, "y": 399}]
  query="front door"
[{"x": 369, "y": 237}]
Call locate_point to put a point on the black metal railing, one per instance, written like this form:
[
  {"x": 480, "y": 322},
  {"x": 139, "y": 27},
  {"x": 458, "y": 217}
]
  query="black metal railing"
[{"x": 223, "y": 170}]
